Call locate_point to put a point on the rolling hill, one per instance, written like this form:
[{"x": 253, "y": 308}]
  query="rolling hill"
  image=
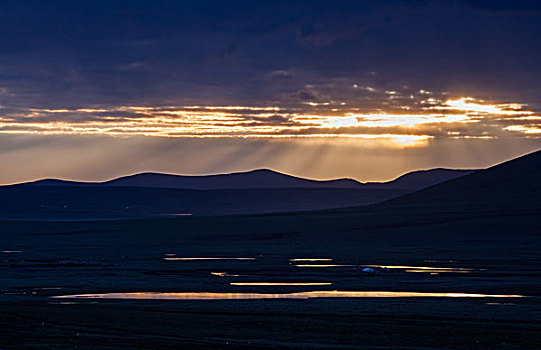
[
  {"x": 513, "y": 184},
  {"x": 420, "y": 179},
  {"x": 263, "y": 178},
  {"x": 162, "y": 195}
]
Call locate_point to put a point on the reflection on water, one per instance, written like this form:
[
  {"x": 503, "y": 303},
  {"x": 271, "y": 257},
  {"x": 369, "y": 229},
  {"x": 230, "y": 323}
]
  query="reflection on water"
[
  {"x": 298, "y": 295},
  {"x": 223, "y": 274},
  {"x": 324, "y": 265},
  {"x": 191, "y": 259},
  {"x": 438, "y": 271},
  {"x": 280, "y": 283},
  {"x": 432, "y": 270},
  {"x": 11, "y": 251},
  {"x": 310, "y": 259}
]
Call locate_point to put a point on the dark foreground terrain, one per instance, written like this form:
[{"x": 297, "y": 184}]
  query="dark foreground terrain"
[
  {"x": 75, "y": 258},
  {"x": 436, "y": 241}
]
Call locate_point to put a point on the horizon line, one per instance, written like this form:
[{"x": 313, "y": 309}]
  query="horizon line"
[{"x": 240, "y": 172}]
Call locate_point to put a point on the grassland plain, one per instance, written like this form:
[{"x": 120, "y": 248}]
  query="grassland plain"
[{"x": 475, "y": 242}]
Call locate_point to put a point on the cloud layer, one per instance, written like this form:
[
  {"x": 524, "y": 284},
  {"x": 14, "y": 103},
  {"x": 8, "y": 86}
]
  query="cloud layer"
[
  {"x": 409, "y": 120},
  {"x": 366, "y": 89}
]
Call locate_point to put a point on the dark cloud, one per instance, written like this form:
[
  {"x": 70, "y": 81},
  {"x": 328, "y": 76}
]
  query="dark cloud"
[
  {"x": 306, "y": 57},
  {"x": 304, "y": 95},
  {"x": 57, "y": 54},
  {"x": 280, "y": 74},
  {"x": 529, "y": 6}
]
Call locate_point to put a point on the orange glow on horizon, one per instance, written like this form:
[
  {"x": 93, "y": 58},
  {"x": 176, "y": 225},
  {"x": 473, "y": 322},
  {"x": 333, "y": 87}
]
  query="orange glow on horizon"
[
  {"x": 298, "y": 295},
  {"x": 452, "y": 118}
]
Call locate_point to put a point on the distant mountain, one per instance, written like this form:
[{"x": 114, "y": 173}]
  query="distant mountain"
[
  {"x": 514, "y": 184},
  {"x": 420, "y": 179},
  {"x": 263, "y": 178},
  {"x": 55, "y": 182},
  {"x": 159, "y": 195}
]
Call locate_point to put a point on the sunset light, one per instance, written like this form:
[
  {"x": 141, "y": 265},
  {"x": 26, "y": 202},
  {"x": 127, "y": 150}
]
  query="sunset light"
[
  {"x": 279, "y": 122},
  {"x": 278, "y": 174}
]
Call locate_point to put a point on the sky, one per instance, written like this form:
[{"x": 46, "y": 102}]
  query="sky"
[{"x": 91, "y": 90}]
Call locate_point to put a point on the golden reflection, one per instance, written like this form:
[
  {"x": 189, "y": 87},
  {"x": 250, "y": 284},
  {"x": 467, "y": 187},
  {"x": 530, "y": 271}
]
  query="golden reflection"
[
  {"x": 437, "y": 271},
  {"x": 321, "y": 265},
  {"x": 311, "y": 259},
  {"x": 297, "y": 295},
  {"x": 426, "y": 268},
  {"x": 191, "y": 259},
  {"x": 420, "y": 267},
  {"x": 280, "y": 283},
  {"x": 223, "y": 274}
]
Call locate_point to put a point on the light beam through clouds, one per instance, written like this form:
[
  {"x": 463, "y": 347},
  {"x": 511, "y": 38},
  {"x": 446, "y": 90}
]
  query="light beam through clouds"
[
  {"x": 361, "y": 89},
  {"x": 430, "y": 118}
]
